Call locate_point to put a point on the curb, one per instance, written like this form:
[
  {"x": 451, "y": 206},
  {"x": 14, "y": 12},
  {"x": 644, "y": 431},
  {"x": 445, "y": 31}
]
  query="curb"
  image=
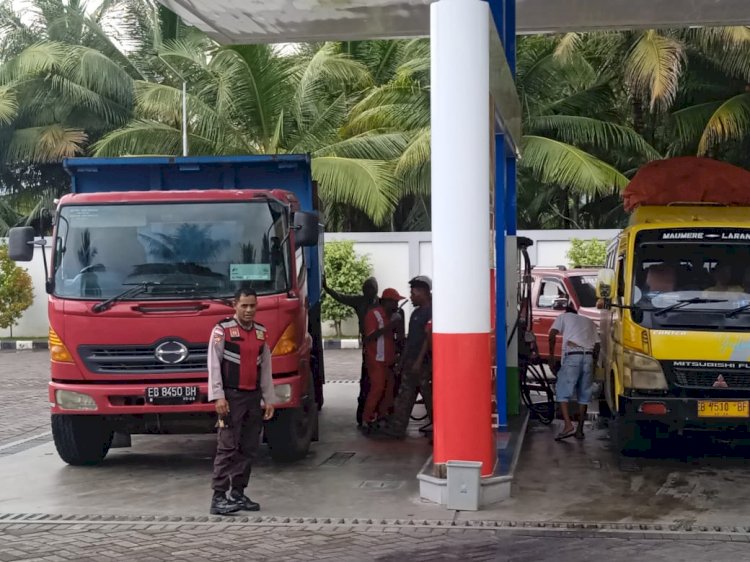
[
  {"x": 23, "y": 345},
  {"x": 341, "y": 344}
]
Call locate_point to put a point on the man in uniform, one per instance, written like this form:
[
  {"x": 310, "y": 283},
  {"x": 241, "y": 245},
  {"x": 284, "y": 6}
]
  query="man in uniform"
[
  {"x": 361, "y": 304},
  {"x": 415, "y": 367},
  {"x": 381, "y": 327},
  {"x": 239, "y": 377}
]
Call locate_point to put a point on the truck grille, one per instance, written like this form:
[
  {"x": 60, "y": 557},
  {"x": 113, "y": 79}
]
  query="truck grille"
[
  {"x": 697, "y": 379},
  {"x": 127, "y": 360}
]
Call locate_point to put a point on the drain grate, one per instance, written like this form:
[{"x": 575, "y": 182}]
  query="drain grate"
[
  {"x": 664, "y": 531},
  {"x": 25, "y": 444},
  {"x": 339, "y": 458}
]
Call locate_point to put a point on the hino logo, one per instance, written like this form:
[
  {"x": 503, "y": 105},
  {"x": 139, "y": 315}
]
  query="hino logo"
[{"x": 171, "y": 352}]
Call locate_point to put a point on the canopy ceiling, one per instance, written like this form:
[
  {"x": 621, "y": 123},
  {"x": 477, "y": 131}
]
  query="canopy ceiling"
[{"x": 285, "y": 21}]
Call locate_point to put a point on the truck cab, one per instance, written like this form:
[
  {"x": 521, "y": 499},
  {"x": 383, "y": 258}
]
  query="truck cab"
[
  {"x": 146, "y": 256},
  {"x": 676, "y": 323}
]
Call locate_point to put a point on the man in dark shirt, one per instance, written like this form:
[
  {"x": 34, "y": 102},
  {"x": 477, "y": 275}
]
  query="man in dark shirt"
[
  {"x": 361, "y": 304},
  {"x": 416, "y": 362}
]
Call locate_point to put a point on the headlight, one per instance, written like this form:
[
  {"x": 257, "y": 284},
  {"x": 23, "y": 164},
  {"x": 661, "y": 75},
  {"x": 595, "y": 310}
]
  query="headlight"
[
  {"x": 643, "y": 372},
  {"x": 68, "y": 400},
  {"x": 283, "y": 393}
]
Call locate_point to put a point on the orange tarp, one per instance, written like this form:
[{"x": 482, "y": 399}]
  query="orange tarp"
[{"x": 688, "y": 179}]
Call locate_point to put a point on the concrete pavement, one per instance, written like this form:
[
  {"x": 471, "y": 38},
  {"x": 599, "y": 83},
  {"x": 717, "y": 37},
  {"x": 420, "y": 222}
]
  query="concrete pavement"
[{"x": 355, "y": 498}]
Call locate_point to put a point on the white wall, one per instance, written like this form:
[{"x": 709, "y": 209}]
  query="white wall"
[{"x": 395, "y": 257}]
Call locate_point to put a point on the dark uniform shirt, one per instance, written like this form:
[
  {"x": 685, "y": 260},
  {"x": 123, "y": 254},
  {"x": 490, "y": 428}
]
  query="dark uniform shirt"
[
  {"x": 417, "y": 332},
  {"x": 360, "y": 303}
]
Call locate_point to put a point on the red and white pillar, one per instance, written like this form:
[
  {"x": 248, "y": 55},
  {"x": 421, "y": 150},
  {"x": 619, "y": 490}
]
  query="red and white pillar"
[{"x": 461, "y": 126}]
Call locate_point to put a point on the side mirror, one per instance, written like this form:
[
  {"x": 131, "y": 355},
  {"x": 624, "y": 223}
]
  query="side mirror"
[
  {"x": 560, "y": 304},
  {"x": 306, "y": 226},
  {"x": 21, "y": 243},
  {"x": 605, "y": 279}
]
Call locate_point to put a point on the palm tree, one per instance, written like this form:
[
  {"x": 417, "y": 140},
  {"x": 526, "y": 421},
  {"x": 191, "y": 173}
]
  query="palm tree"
[{"x": 250, "y": 100}]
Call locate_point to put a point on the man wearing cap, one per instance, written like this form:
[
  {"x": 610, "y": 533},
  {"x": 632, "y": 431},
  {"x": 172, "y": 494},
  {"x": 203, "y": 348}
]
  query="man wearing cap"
[
  {"x": 361, "y": 304},
  {"x": 416, "y": 371},
  {"x": 380, "y": 356}
]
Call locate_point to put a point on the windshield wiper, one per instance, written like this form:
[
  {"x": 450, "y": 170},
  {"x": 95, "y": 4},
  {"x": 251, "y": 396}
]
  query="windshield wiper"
[
  {"x": 738, "y": 310},
  {"x": 133, "y": 291},
  {"x": 684, "y": 302}
]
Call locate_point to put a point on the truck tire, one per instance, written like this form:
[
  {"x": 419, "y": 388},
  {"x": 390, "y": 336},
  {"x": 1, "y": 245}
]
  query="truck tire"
[
  {"x": 81, "y": 440},
  {"x": 631, "y": 438},
  {"x": 291, "y": 431}
]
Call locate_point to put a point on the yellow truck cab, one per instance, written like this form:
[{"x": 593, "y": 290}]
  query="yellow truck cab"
[{"x": 675, "y": 325}]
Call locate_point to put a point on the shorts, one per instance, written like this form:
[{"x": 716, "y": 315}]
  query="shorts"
[{"x": 575, "y": 378}]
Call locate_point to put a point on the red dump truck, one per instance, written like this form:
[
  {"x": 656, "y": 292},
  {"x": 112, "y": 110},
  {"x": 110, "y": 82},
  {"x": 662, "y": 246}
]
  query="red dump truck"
[{"x": 146, "y": 254}]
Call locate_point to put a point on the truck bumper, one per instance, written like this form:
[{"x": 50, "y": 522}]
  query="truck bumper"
[
  {"x": 130, "y": 399},
  {"x": 678, "y": 414}
]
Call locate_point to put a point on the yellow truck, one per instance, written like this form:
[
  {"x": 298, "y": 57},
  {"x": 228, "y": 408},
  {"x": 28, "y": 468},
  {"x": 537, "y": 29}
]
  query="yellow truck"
[{"x": 675, "y": 325}]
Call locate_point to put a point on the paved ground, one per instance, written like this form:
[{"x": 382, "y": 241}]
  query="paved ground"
[
  {"x": 344, "y": 544},
  {"x": 694, "y": 503},
  {"x": 23, "y": 387}
]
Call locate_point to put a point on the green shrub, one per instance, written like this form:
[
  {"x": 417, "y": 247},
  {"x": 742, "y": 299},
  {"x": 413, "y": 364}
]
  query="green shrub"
[
  {"x": 587, "y": 253},
  {"x": 16, "y": 291}
]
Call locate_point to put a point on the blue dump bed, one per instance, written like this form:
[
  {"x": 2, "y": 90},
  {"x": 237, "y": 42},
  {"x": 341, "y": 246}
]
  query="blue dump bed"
[{"x": 291, "y": 172}]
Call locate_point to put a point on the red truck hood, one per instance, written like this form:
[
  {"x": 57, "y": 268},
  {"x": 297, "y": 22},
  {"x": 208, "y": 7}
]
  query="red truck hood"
[{"x": 126, "y": 324}]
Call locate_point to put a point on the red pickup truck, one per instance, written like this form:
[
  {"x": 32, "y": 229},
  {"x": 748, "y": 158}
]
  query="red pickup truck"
[{"x": 553, "y": 289}]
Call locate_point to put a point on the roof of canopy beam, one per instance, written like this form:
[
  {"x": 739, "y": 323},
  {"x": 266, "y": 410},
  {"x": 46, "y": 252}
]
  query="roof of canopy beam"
[{"x": 283, "y": 21}]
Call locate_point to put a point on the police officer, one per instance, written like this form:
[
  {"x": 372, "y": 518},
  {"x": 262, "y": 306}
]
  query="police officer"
[{"x": 239, "y": 377}]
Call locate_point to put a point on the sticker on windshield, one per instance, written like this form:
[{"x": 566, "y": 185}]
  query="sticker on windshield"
[{"x": 250, "y": 272}]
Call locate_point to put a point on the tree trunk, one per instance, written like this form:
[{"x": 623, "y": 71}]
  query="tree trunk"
[{"x": 337, "y": 325}]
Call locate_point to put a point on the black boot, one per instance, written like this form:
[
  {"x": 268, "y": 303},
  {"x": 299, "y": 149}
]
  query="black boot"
[
  {"x": 221, "y": 505},
  {"x": 243, "y": 503}
]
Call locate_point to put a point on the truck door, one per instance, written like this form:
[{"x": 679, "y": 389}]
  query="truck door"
[{"x": 550, "y": 290}]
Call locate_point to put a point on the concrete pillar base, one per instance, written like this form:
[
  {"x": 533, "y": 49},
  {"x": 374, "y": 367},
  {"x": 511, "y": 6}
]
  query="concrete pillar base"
[{"x": 494, "y": 488}]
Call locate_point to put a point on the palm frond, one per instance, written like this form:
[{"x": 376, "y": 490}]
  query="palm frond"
[
  {"x": 569, "y": 44},
  {"x": 148, "y": 137},
  {"x": 731, "y": 121},
  {"x": 687, "y": 125},
  {"x": 590, "y": 100},
  {"x": 44, "y": 144},
  {"x": 653, "y": 68},
  {"x": 367, "y": 185},
  {"x": 604, "y": 135},
  {"x": 368, "y": 146},
  {"x": 416, "y": 157},
  {"x": 556, "y": 162}
]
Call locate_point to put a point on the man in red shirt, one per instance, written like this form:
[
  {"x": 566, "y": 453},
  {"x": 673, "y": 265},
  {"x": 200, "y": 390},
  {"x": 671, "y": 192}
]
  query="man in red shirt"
[{"x": 380, "y": 355}]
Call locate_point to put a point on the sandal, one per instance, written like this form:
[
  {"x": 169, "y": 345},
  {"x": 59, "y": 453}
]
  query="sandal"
[
  {"x": 580, "y": 435},
  {"x": 565, "y": 435}
]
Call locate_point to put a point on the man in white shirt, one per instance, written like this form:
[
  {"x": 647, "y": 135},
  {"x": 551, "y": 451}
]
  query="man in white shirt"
[{"x": 579, "y": 352}]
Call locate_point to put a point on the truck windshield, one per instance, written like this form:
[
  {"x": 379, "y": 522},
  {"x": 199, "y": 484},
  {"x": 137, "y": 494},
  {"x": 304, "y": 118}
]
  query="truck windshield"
[
  {"x": 692, "y": 279},
  {"x": 181, "y": 250}
]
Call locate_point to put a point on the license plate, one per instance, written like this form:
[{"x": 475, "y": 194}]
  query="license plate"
[
  {"x": 171, "y": 394},
  {"x": 723, "y": 409}
]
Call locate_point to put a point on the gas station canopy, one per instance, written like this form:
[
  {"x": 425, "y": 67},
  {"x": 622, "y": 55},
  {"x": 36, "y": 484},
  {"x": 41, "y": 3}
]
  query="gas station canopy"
[{"x": 283, "y": 21}]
